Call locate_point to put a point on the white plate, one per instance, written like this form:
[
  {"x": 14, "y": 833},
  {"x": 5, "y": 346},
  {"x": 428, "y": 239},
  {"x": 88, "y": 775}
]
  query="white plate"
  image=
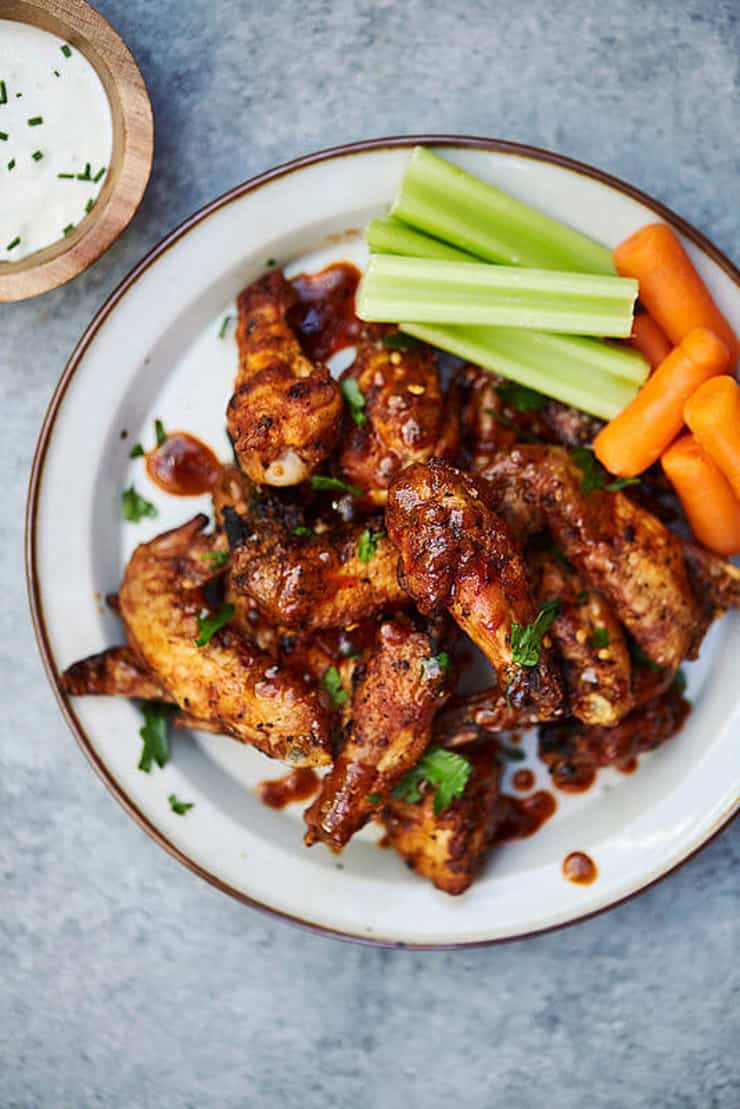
[{"x": 153, "y": 351}]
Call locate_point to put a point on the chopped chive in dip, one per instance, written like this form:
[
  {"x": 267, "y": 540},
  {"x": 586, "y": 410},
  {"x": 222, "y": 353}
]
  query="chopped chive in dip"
[
  {"x": 224, "y": 325},
  {"x": 69, "y": 176},
  {"x": 37, "y": 155},
  {"x": 3, "y": 93},
  {"x": 14, "y": 243},
  {"x": 159, "y": 432},
  {"x": 68, "y": 229},
  {"x": 55, "y": 72},
  {"x": 35, "y": 121},
  {"x": 99, "y": 174},
  {"x": 66, "y": 50},
  {"x": 11, "y": 164},
  {"x": 88, "y": 206},
  {"x": 87, "y": 175}
]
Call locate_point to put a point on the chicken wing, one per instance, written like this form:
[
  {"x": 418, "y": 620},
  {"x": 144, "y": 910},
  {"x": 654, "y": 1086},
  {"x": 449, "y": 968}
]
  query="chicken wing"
[
  {"x": 474, "y": 716},
  {"x": 623, "y": 550},
  {"x": 588, "y": 637},
  {"x": 284, "y": 416},
  {"x": 402, "y": 417},
  {"x": 569, "y": 748},
  {"x": 226, "y": 682},
  {"x": 457, "y": 553},
  {"x": 448, "y": 848},
  {"x": 394, "y": 700},
  {"x": 117, "y": 672}
]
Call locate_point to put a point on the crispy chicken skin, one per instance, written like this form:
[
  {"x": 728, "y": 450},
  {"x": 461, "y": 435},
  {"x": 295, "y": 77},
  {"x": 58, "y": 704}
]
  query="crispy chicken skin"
[
  {"x": 403, "y": 414},
  {"x": 713, "y": 578},
  {"x": 457, "y": 553},
  {"x": 473, "y": 716},
  {"x": 117, "y": 672},
  {"x": 226, "y": 682},
  {"x": 304, "y": 582},
  {"x": 285, "y": 413},
  {"x": 449, "y": 848},
  {"x": 588, "y": 637},
  {"x": 624, "y": 551},
  {"x": 395, "y": 696},
  {"x": 569, "y": 747}
]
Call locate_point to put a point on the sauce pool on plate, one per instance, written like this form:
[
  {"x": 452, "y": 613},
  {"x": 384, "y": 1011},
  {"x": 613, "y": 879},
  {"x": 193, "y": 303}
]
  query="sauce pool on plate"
[
  {"x": 182, "y": 465},
  {"x": 579, "y": 868},
  {"x": 324, "y": 313},
  {"x": 298, "y": 785},
  {"x": 56, "y": 138}
]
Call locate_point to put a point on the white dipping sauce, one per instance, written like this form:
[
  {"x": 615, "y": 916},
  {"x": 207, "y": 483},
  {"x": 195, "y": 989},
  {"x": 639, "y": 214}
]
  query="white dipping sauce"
[{"x": 43, "y": 78}]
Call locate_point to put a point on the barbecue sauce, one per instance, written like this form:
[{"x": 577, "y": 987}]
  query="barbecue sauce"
[
  {"x": 521, "y": 817},
  {"x": 579, "y": 868},
  {"x": 183, "y": 465},
  {"x": 299, "y": 785},
  {"x": 324, "y": 314}
]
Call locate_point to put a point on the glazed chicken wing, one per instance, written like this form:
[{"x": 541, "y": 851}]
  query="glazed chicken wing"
[
  {"x": 226, "y": 682},
  {"x": 390, "y": 722},
  {"x": 402, "y": 418},
  {"x": 285, "y": 413},
  {"x": 449, "y": 847},
  {"x": 624, "y": 551},
  {"x": 117, "y": 672},
  {"x": 473, "y": 716},
  {"x": 457, "y": 553},
  {"x": 588, "y": 637}
]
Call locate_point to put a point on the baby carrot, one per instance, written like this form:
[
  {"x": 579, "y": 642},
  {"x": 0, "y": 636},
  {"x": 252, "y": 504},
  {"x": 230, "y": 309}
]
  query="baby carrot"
[
  {"x": 649, "y": 340},
  {"x": 637, "y": 437},
  {"x": 713, "y": 414},
  {"x": 670, "y": 288},
  {"x": 712, "y": 509}
]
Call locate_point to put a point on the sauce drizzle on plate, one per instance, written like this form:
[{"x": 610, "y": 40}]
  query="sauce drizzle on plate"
[{"x": 298, "y": 785}]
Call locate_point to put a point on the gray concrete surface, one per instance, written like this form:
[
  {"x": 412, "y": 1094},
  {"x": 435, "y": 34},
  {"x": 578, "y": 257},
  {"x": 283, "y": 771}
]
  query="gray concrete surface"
[{"x": 124, "y": 981}]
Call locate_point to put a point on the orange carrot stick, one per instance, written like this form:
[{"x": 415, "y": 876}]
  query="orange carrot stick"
[
  {"x": 713, "y": 414},
  {"x": 637, "y": 437},
  {"x": 712, "y": 509},
  {"x": 670, "y": 288},
  {"x": 649, "y": 340}
]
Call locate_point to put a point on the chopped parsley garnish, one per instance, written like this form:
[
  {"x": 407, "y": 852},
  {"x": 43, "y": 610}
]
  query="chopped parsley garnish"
[
  {"x": 159, "y": 432},
  {"x": 320, "y": 481},
  {"x": 513, "y": 754},
  {"x": 594, "y": 474},
  {"x": 526, "y": 639},
  {"x": 4, "y": 136},
  {"x": 375, "y": 798},
  {"x": 521, "y": 397},
  {"x": 399, "y": 341},
  {"x": 34, "y": 121},
  {"x": 88, "y": 206},
  {"x": 87, "y": 174},
  {"x": 224, "y": 326},
  {"x": 179, "y": 807},
  {"x": 599, "y": 638},
  {"x": 11, "y": 164},
  {"x": 218, "y": 558},
  {"x": 99, "y": 174},
  {"x": 3, "y": 93},
  {"x": 66, "y": 50},
  {"x": 69, "y": 176},
  {"x": 14, "y": 243},
  {"x": 435, "y": 665},
  {"x": 332, "y": 683},
  {"x": 68, "y": 229},
  {"x": 208, "y": 625},
  {"x": 37, "y": 155},
  {"x": 136, "y": 451},
  {"x": 354, "y": 398},
  {"x": 154, "y": 736},
  {"x": 136, "y": 507},
  {"x": 446, "y": 771},
  {"x": 368, "y": 544},
  {"x": 641, "y": 658},
  {"x": 302, "y": 530},
  {"x": 56, "y": 72},
  {"x": 679, "y": 682}
]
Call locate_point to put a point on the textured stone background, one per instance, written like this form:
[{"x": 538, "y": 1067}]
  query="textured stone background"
[{"x": 123, "y": 980}]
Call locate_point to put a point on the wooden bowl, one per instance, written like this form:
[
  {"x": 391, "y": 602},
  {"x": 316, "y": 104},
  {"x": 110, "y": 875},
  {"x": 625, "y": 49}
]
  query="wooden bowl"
[{"x": 133, "y": 145}]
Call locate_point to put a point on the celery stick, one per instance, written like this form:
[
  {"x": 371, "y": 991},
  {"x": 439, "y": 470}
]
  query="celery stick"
[
  {"x": 390, "y": 236},
  {"x": 534, "y": 360},
  {"x": 441, "y": 291},
  {"x": 445, "y": 201}
]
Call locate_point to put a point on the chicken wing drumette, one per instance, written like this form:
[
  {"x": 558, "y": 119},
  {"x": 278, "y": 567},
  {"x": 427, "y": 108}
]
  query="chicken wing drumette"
[
  {"x": 449, "y": 847},
  {"x": 226, "y": 682},
  {"x": 389, "y": 725},
  {"x": 455, "y": 552},
  {"x": 285, "y": 413}
]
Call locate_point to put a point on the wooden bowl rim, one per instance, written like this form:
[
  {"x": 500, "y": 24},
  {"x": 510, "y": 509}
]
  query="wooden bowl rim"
[{"x": 133, "y": 147}]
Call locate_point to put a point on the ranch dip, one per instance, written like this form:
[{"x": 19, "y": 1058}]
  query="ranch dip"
[{"x": 56, "y": 138}]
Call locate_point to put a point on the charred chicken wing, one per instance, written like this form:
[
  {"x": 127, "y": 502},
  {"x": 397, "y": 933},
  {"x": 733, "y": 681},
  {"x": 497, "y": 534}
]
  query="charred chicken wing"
[{"x": 285, "y": 413}]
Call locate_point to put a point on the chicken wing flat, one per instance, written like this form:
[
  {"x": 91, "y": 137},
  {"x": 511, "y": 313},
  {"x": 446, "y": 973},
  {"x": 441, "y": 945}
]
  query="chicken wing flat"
[
  {"x": 402, "y": 418},
  {"x": 390, "y": 723},
  {"x": 457, "y": 553},
  {"x": 449, "y": 847},
  {"x": 317, "y": 580},
  {"x": 713, "y": 578},
  {"x": 488, "y": 712},
  {"x": 624, "y": 551},
  {"x": 225, "y": 682},
  {"x": 570, "y": 747},
  {"x": 588, "y": 637},
  {"x": 117, "y": 672},
  {"x": 285, "y": 413}
]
